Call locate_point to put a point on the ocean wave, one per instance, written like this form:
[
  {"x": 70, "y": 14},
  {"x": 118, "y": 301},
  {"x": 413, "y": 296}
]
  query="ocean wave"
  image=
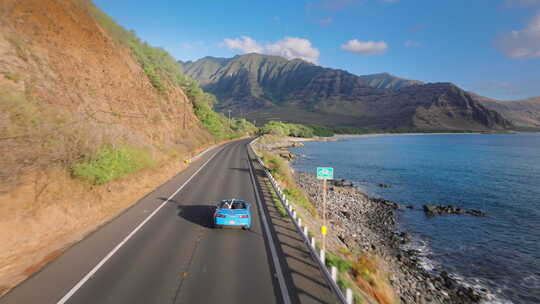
[{"x": 427, "y": 262}]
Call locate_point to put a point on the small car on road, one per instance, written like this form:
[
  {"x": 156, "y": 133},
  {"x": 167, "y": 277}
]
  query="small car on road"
[{"x": 232, "y": 213}]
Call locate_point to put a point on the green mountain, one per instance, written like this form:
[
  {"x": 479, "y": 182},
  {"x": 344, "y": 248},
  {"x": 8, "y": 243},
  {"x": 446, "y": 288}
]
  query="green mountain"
[
  {"x": 262, "y": 88},
  {"x": 388, "y": 81}
]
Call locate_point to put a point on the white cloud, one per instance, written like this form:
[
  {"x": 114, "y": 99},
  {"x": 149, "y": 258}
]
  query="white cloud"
[
  {"x": 288, "y": 47},
  {"x": 367, "y": 48},
  {"x": 293, "y": 47},
  {"x": 523, "y": 43},
  {"x": 413, "y": 44},
  {"x": 245, "y": 44}
]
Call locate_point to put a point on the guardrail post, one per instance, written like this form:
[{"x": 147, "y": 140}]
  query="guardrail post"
[
  {"x": 300, "y": 222},
  {"x": 306, "y": 231},
  {"x": 333, "y": 271},
  {"x": 313, "y": 242},
  {"x": 323, "y": 256},
  {"x": 349, "y": 296},
  {"x": 294, "y": 214}
]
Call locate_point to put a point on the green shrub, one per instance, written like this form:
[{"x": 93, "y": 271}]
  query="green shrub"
[
  {"x": 111, "y": 163},
  {"x": 341, "y": 264},
  {"x": 322, "y": 131},
  {"x": 286, "y": 129},
  {"x": 343, "y": 283}
]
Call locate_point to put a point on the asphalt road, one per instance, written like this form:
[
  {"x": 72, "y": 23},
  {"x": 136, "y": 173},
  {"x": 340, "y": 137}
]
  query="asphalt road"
[{"x": 175, "y": 256}]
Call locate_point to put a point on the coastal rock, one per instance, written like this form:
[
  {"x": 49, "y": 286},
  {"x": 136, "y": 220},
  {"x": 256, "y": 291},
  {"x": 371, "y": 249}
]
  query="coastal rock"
[
  {"x": 342, "y": 183},
  {"x": 433, "y": 210},
  {"x": 384, "y": 186},
  {"x": 287, "y": 155},
  {"x": 391, "y": 204}
]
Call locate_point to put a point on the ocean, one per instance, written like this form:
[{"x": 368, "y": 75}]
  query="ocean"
[{"x": 496, "y": 173}]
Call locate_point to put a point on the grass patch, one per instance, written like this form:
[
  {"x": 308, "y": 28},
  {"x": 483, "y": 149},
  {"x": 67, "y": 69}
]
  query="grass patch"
[
  {"x": 279, "y": 206},
  {"x": 341, "y": 264},
  {"x": 296, "y": 195},
  {"x": 374, "y": 282},
  {"x": 111, "y": 163},
  {"x": 22, "y": 111},
  {"x": 280, "y": 170},
  {"x": 15, "y": 77}
]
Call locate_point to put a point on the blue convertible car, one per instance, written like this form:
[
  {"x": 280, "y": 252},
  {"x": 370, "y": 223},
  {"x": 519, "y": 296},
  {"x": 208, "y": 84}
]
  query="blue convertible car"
[{"x": 232, "y": 213}]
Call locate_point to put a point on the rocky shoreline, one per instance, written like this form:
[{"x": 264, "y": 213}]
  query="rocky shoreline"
[{"x": 367, "y": 224}]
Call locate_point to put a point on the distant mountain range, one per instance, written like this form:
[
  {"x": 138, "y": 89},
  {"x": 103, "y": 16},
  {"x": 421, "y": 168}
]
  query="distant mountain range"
[
  {"x": 262, "y": 88},
  {"x": 523, "y": 113}
]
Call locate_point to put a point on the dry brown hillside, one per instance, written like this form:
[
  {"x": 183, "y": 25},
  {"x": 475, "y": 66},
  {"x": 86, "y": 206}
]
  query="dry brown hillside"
[{"x": 68, "y": 89}]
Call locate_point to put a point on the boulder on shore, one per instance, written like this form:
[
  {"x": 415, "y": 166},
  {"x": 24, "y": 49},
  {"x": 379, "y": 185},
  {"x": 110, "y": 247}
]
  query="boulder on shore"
[
  {"x": 433, "y": 210},
  {"x": 341, "y": 183}
]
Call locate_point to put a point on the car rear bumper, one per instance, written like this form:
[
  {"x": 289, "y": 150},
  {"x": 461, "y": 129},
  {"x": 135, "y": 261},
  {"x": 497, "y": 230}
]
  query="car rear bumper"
[{"x": 230, "y": 222}]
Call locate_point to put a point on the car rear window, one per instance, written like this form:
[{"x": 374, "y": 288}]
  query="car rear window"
[
  {"x": 235, "y": 205},
  {"x": 238, "y": 206}
]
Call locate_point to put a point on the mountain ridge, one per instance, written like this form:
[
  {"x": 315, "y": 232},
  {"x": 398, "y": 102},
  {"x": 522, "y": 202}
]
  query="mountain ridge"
[{"x": 265, "y": 87}]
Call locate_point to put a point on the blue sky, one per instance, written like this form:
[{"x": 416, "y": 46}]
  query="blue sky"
[{"x": 491, "y": 47}]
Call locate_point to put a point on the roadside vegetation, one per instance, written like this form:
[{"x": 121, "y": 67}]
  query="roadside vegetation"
[
  {"x": 281, "y": 171},
  {"x": 277, "y": 202},
  {"x": 308, "y": 131},
  {"x": 164, "y": 73},
  {"x": 362, "y": 272},
  {"x": 110, "y": 163}
]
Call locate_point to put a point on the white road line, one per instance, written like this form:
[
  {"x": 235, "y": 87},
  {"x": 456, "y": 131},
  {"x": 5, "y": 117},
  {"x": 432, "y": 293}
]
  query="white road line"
[
  {"x": 275, "y": 259},
  {"x": 115, "y": 249}
]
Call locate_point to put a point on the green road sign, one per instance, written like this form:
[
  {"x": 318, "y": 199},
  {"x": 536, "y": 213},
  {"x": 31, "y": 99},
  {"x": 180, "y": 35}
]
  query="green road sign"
[{"x": 325, "y": 173}]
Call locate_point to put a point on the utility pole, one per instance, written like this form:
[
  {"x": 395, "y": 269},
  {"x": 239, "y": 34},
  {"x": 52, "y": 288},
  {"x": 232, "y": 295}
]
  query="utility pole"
[{"x": 229, "y": 118}]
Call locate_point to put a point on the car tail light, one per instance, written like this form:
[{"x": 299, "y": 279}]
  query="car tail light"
[
  {"x": 243, "y": 216},
  {"x": 220, "y": 215}
]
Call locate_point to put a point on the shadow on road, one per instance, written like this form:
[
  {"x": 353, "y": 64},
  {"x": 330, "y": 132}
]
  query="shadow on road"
[
  {"x": 197, "y": 214},
  {"x": 240, "y": 169}
]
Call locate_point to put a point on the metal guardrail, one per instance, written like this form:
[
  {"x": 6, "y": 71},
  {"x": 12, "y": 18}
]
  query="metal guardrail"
[{"x": 329, "y": 274}]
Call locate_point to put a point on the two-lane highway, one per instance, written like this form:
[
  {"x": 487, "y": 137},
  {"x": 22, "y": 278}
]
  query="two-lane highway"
[{"x": 164, "y": 250}]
